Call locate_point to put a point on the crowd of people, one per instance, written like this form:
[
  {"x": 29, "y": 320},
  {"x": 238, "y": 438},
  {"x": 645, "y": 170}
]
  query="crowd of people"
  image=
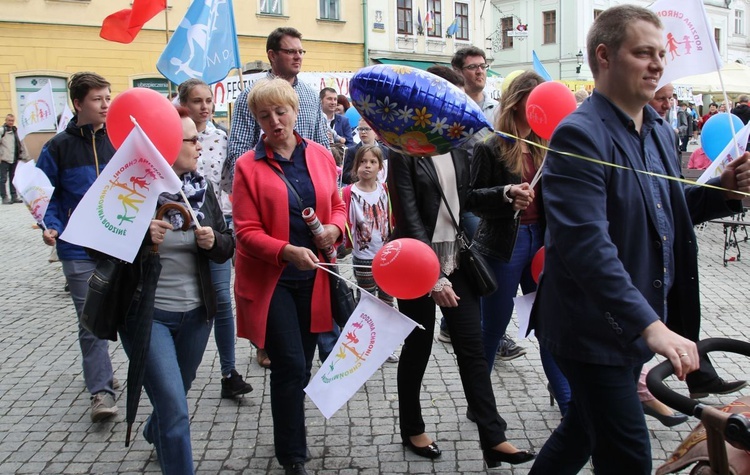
[{"x": 620, "y": 281}]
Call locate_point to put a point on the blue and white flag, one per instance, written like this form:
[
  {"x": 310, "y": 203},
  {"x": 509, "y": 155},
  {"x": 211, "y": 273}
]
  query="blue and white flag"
[
  {"x": 204, "y": 46},
  {"x": 539, "y": 67}
]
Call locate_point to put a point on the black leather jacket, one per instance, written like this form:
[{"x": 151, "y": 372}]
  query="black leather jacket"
[
  {"x": 415, "y": 196},
  {"x": 498, "y": 229}
]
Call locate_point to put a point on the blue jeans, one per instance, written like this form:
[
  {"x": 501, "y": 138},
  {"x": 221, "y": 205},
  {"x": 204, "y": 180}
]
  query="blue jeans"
[
  {"x": 97, "y": 366},
  {"x": 178, "y": 340},
  {"x": 497, "y": 308},
  {"x": 291, "y": 348},
  {"x": 326, "y": 342},
  {"x": 604, "y": 421},
  {"x": 224, "y": 331}
]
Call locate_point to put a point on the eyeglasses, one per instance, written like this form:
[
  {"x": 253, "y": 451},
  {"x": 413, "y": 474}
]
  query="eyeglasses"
[
  {"x": 193, "y": 140},
  {"x": 474, "y": 67},
  {"x": 363, "y": 129},
  {"x": 292, "y": 52}
]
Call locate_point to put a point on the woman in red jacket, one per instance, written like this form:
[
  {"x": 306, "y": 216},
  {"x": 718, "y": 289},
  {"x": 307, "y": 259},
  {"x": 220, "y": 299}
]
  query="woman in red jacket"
[{"x": 283, "y": 301}]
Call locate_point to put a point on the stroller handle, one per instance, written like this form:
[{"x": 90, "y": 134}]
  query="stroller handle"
[{"x": 737, "y": 428}]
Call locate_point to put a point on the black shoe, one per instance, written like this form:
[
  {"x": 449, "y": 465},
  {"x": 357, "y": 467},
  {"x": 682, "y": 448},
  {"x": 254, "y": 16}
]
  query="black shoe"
[
  {"x": 295, "y": 469},
  {"x": 234, "y": 386},
  {"x": 470, "y": 415},
  {"x": 431, "y": 451},
  {"x": 16, "y": 200},
  {"x": 666, "y": 420},
  {"x": 494, "y": 458},
  {"x": 719, "y": 386}
]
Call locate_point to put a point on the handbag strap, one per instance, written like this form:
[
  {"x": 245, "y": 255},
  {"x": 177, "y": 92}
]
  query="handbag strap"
[
  {"x": 445, "y": 200},
  {"x": 294, "y": 192}
]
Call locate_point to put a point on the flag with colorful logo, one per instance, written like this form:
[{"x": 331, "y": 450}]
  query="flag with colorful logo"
[
  {"x": 123, "y": 26},
  {"x": 372, "y": 333},
  {"x": 37, "y": 112},
  {"x": 114, "y": 214},
  {"x": 204, "y": 46},
  {"x": 688, "y": 39},
  {"x": 35, "y": 189},
  {"x": 734, "y": 149},
  {"x": 65, "y": 117}
]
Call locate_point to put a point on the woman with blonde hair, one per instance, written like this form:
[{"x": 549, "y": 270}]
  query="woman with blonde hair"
[
  {"x": 511, "y": 212},
  {"x": 283, "y": 299}
]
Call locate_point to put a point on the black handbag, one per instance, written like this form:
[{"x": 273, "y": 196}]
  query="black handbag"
[
  {"x": 342, "y": 296},
  {"x": 101, "y": 315},
  {"x": 471, "y": 261}
]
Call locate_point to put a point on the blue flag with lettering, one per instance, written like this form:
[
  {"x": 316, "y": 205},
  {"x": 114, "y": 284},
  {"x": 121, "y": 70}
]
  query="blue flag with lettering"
[
  {"x": 204, "y": 45},
  {"x": 539, "y": 67}
]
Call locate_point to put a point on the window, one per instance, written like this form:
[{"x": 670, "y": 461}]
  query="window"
[
  {"x": 403, "y": 17},
  {"x": 739, "y": 22},
  {"x": 717, "y": 38},
  {"x": 462, "y": 15},
  {"x": 270, "y": 7},
  {"x": 506, "y": 25},
  {"x": 597, "y": 13},
  {"x": 436, "y": 22},
  {"x": 329, "y": 9},
  {"x": 549, "y": 20}
]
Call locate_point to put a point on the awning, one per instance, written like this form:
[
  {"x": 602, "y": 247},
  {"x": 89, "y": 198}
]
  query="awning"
[{"x": 424, "y": 64}]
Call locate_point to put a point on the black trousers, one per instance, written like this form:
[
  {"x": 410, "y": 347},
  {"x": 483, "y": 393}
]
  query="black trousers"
[
  {"x": 464, "y": 324},
  {"x": 604, "y": 422}
]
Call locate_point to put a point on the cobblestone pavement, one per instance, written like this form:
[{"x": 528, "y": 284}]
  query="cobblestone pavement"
[{"x": 44, "y": 408}]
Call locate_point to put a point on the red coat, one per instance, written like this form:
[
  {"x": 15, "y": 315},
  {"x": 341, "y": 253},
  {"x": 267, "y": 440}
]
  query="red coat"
[{"x": 260, "y": 210}]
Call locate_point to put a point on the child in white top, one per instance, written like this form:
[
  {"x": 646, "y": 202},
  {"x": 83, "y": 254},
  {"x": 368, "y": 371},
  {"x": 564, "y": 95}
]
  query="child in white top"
[{"x": 368, "y": 216}]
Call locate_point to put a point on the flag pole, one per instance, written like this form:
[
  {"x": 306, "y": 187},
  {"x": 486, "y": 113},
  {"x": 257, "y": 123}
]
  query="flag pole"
[{"x": 166, "y": 34}]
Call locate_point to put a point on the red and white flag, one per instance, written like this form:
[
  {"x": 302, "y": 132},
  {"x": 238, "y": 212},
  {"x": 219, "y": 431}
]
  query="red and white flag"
[
  {"x": 688, "y": 39},
  {"x": 114, "y": 214},
  {"x": 37, "y": 112},
  {"x": 372, "y": 333},
  {"x": 35, "y": 189}
]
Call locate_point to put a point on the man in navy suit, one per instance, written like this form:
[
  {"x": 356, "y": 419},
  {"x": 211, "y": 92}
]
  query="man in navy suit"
[
  {"x": 339, "y": 129},
  {"x": 621, "y": 256}
]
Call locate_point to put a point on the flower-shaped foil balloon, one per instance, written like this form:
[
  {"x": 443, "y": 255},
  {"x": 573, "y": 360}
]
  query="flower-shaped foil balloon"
[{"x": 415, "y": 112}]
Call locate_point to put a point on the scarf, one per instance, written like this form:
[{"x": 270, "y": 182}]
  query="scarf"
[{"x": 194, "y": 187}]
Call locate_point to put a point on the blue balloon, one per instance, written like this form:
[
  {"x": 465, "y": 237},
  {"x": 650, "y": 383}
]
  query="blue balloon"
[
  {"x": 415, "y": 112},
  {"x": 717, "y": 133},
  {"x": 353, "y": 116}
]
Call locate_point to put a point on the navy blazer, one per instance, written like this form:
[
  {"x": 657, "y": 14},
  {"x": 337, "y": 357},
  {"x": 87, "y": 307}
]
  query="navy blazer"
[
  {"x": 342, "y": 127},
  {"x": 603, "y": 277}
]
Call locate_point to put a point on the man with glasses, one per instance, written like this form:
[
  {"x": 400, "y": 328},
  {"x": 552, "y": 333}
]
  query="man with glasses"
[
  {"x": 284, "y": 50},
  {"x": 471, "y": 63}
]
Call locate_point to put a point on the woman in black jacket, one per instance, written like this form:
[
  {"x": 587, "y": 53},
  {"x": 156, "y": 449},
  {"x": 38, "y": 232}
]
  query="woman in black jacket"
[
  {"x": 415, "y": 185},
  {"x": 511, "y": 226},
  {"x": 184, "y": 306}
]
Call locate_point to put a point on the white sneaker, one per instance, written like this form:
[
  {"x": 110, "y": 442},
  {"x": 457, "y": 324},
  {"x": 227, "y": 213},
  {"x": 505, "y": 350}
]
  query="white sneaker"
[
  {"x": 392, "y": 358},
  {"x": 102, "y": 407}
]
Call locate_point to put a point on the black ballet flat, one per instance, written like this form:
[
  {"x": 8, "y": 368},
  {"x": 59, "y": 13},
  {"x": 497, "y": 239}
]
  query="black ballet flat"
[
  {"x": 666, "y": 420},
  {"x": 494, "y": 458},
  {"x": 431, "y": 451}
]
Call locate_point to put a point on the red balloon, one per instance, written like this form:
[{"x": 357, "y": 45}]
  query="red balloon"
[
  {"x": 537, "y": 264},
  {"x": 547, "y": 105},
  {"x": 406, "y": 268},
  {"x": 154, "y": 113}
]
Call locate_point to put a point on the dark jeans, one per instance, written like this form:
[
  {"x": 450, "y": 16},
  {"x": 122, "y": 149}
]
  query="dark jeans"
[
  {"x": 605, "y": 421},
  {"x": 291, "y": 348},
  {"x": 466, "y": 335},
  {"x": 7, "y": 172}
]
